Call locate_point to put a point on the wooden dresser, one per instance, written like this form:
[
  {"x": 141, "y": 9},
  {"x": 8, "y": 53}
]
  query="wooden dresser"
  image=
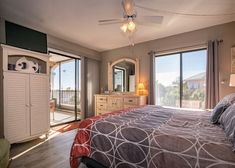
[{"x": 107, "y": 102}]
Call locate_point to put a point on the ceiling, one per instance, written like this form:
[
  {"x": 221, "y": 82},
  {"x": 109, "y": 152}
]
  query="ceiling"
[{"x": 77, "y": 20}]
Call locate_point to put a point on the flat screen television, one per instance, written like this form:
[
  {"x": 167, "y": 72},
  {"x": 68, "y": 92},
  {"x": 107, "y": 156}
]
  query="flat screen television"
[{"x": 23, "y": 37}]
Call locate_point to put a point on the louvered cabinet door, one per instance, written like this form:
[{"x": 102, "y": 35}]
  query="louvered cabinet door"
[
  {"x": 39, "y": 103},
  {"x": 16, "y": 106}
]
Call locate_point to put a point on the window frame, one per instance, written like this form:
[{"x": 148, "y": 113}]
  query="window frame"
[{"x": 181, "y": 67}]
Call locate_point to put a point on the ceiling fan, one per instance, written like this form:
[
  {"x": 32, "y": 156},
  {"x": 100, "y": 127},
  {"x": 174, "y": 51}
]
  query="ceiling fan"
[{"x": 131, "y": 19}]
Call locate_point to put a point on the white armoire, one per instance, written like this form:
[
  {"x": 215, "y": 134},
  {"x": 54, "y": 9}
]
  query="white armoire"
[{"x": 25, "y": 94}]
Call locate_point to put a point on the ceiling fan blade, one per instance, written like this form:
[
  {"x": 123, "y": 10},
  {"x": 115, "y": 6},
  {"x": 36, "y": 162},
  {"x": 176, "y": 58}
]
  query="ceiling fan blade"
[
  {"x": 145, "y": 24},
  {"x": 110, "y": 21},
  {"x": 150, "y": 19},
  {"x": 128, "y": 7}
]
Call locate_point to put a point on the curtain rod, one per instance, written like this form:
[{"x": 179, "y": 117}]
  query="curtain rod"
[
  {"x": 174, "y": 50},
  {"x": 178, "y": 49}
]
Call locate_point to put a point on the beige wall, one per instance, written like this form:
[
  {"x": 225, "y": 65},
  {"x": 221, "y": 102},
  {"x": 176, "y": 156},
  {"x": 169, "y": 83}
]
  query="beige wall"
[
  {"x": 194, "y": 38},
  {"x": 59, "y": 44}
]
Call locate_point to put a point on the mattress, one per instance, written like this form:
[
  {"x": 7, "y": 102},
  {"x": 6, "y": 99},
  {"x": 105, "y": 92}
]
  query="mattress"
[{"x": 153, "y": 137}]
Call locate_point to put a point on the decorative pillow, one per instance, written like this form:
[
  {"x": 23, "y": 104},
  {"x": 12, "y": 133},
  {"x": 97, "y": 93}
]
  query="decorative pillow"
[
  {"x": 221, "y": 107},
  {"x": 217, "y": 112},
  {"x": 229, "y": 99},
  {"x": 227, "y": 121}
]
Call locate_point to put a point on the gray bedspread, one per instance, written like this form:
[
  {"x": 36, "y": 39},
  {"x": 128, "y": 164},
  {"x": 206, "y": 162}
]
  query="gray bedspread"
[{"x": 155, "y": 137}]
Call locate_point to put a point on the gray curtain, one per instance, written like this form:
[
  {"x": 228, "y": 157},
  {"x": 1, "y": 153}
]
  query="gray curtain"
[
  {"x": 152, "y": 78},
  {"x": 212, "y": 75},
  {"x": 83, "y": 87},
  {"x": 90, "y": 84}
]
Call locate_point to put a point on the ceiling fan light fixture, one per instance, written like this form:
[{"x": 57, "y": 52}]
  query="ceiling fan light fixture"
[
  {"x": 131, "y": 26},
  {"x": 124, "y": 27},
  {"x": 128, "y": 27}
]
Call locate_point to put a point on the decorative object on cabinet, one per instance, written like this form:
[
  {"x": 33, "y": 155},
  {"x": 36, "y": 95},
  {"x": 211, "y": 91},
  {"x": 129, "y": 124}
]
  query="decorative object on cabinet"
[
  {"x": 123, "y": 75},
  {"x": 26, "y": 64},
  {"x": 111, "y": 102},
  {"x": 25, "y": 94},
  {"x": 23, "y": 64}
]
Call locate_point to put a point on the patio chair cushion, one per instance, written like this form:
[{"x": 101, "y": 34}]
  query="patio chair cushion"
[{"x": 4, "y": 153}]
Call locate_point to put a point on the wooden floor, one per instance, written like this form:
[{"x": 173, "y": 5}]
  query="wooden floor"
[{"x": 52, "y": 153}]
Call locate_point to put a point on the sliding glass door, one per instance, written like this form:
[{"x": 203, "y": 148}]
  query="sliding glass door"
[
  {"x": 181, "y": 79},
  {"x": 194, "y": 79},
  {"x": 168, "y": 80},
  {"x": 65, "y": 89}
]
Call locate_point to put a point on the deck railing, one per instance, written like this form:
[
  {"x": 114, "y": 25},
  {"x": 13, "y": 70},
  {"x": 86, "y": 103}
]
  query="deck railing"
[{"x": 65, "y": 98}]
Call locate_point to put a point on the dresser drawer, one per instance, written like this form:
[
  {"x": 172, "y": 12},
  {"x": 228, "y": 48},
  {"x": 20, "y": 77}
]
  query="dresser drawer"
[
  {"x": 130, "y": 101},
  {"x": 108, "y": 103},
  {"x": 101, "y": 105},
  {"x": 130, "y": 106},
  {"x": 100, "y": 111},
  {"x": 101, "y": 99}
]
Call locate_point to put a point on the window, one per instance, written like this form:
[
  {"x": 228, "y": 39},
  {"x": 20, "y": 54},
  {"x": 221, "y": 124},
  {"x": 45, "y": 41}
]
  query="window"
[{"x": 181, "y": 79}]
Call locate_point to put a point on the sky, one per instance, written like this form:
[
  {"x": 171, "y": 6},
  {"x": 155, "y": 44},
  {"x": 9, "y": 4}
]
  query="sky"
[
  {"x": 67, "y": 75},
  {"x": 168, "y": 67}
]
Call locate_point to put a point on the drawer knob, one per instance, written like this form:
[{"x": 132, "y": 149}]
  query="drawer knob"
[{"x": 130, "y": 100}]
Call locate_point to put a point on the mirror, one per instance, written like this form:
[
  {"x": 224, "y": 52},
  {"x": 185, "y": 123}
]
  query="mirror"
[{"x": 123, "y": 75}]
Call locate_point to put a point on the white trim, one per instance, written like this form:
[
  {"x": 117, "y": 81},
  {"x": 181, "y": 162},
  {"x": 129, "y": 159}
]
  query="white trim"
[
  {"x": 9, "y": 50},
  {"x": 63, "y": 52},
  {"x": 123, "y": 59}
]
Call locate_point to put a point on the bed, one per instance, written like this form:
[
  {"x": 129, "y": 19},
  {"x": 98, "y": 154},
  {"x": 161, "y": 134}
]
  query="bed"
[{"x": 153, "y": 137}]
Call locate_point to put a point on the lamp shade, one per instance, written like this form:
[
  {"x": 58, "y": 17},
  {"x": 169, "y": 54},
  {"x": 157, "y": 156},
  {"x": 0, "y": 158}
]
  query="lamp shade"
[
  {"x": 141, "y": 89},
  {"x": 140, "y": 86},
  {"x": 232, "y": 80}
]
